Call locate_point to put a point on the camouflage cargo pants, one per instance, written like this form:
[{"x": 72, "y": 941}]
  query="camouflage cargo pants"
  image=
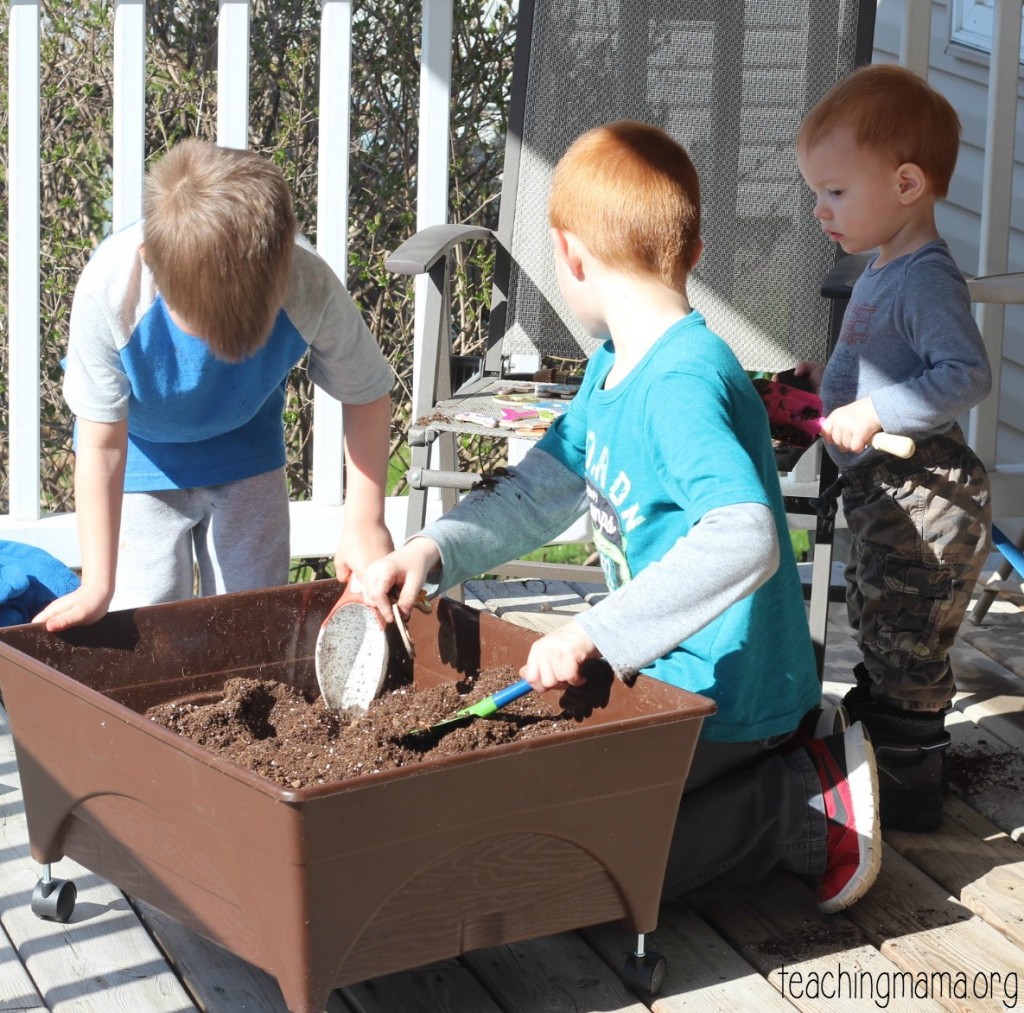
[{"x": 921, "y": 531}]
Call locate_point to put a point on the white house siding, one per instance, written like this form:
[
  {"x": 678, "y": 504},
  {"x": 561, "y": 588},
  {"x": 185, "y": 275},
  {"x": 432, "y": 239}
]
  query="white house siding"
[{"x": 962, "y": 76}]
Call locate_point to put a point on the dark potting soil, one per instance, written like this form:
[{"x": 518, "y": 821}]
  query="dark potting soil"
[{"x": 273, "y": 730}]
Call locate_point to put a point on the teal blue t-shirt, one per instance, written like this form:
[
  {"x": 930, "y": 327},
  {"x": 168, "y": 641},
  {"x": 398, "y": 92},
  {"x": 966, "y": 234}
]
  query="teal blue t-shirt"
[{"x": 685, "y": 433}]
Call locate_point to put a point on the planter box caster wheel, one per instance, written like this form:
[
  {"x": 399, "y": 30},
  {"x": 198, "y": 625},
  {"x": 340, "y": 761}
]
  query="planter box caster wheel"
[
  {"x": 645, "y": 973},
  {"x": 54, "y": 899}
]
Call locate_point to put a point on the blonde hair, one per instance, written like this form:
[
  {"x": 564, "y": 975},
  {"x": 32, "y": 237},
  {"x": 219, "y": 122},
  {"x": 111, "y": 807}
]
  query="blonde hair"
[
  {"x": 632, "y": 195},
  {"x": 218, "y": 235},
  {"x": 894, "y": 113}
]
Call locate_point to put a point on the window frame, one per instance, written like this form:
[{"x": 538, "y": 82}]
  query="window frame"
[{"x": 971, "y": 25}]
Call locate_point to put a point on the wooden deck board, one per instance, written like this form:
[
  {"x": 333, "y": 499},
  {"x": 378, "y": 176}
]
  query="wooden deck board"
[
  {"x": 987, "y": 773},
  {"x": 445, "y": 987},
  {"x": 974, "y": 862},
  {"x": 703, "y": 971},
  {"x": 801, "y": 952},
  {"x": 947, "y": 902},
  {"x": 914, "y": 921},
  {"x": 17, "y": 992},
  {"x": 552, "y": 973},
  {"x": 216, "y": 978}
]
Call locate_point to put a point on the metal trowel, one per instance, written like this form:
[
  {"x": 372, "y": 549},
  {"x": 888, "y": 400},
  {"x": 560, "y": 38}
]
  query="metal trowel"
[{"x": 351, "y": 654}]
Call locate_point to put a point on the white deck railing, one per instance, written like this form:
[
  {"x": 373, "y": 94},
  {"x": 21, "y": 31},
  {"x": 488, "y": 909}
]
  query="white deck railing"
[{"x": 316, "y": 524}]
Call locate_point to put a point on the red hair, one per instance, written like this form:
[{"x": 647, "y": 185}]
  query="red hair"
[
  {"x": 632, "y": 195},
  {"x": 894, "y": 113}
]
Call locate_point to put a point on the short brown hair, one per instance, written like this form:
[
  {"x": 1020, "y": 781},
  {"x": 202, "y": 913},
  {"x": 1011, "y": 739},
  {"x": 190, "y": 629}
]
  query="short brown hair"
[
  {"x": 895, "y": 113},
  {"x": 219, "y": 232},
  {"x": 632, "y": 195}
]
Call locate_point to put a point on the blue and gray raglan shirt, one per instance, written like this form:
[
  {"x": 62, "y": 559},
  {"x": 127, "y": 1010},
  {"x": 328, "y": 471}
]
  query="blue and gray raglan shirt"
[{"x": 195, "y": 420}]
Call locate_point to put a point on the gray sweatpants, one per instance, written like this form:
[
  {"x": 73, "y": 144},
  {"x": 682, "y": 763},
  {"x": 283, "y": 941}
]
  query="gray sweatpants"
[{"x": 236, "y": 534}]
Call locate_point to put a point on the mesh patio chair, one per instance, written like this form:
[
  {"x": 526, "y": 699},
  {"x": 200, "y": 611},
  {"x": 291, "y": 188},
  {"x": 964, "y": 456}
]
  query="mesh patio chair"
[{"x": 731, "y": 81}]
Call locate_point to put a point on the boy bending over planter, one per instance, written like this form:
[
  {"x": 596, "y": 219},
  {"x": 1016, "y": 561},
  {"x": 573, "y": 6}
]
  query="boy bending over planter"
[
  {"x": 667, "y": 446},
  {"x": 184, "y": 328}
]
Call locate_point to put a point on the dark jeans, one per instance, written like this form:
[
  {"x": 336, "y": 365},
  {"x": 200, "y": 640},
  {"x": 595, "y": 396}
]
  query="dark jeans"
[{"x": 746, "y": 810}]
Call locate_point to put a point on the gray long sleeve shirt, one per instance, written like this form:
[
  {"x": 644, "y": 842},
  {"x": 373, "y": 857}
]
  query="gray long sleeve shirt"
[
  {"x": 661, "y": 606},
  {"x": 909, "y": 341}
]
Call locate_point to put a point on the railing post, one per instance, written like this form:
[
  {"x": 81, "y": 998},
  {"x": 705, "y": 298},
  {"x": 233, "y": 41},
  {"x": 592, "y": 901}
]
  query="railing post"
[
  {"x": 332, "y": 230},
  {"x": 996, "y": 198},
  {"x": 432, "y": 169},
  {"x": 233, "y": 74},
  {"x": 129, "y": 110},
  {"x": 23, "y": 258}
]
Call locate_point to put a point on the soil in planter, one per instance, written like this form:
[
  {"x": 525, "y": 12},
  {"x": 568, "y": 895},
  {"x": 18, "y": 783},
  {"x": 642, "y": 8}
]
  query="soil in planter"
[{"x": 273, "y": 730}]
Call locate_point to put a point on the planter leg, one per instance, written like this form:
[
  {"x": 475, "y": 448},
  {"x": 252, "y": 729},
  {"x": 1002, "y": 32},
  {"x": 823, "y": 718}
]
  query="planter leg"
[
  {"x": 54, "y": 899},
  {"x": 644, "y": 971}
]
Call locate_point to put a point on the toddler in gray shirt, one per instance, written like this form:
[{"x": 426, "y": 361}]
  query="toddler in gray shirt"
[{"x": 878, "y": 152}]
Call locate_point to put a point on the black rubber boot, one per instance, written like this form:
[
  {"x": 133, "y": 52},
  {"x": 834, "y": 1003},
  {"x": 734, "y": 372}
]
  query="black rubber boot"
[{"x": 910, "y": 750}]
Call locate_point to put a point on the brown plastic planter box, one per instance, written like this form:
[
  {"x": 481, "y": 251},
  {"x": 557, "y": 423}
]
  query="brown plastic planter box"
[{"x": 338, "y": 883}]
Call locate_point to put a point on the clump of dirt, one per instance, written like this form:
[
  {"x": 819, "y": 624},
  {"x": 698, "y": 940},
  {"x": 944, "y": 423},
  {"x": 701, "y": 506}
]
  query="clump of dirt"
[
  {"x": 813, "y": 940},
  {"x": 272, "y": 729},
  {"x": 977, "y": 768}
]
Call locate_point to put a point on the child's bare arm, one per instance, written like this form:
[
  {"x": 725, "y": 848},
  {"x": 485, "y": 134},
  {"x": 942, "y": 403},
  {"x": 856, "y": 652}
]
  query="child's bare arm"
[
  {"x": 99, "y": 483},
  {"x": 365, "y": 536}
]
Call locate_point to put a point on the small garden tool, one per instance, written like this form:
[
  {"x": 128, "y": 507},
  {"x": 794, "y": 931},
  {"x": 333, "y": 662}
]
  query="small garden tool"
[
  {"x": 795, "y": 418},
  {"x": 351, "y": 655},
  {"x": 481, "y": 709}
]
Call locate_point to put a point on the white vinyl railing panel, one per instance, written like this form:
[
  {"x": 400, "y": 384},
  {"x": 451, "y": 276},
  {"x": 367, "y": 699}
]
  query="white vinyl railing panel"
[
  {"x": 129, "y": 110},
  {"x": 332, "y": 235},
  {"x": 316, "y": 524}
]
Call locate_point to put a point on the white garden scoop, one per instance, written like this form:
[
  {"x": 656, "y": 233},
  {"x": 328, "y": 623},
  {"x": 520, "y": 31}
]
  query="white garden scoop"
[{"x": 351, "y": 654}]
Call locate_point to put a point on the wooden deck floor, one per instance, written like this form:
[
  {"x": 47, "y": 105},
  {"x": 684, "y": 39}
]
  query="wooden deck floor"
[{"x": 943, "y": 927}]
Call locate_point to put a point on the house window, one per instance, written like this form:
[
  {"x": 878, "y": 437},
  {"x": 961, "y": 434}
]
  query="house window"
[{"x": 972, "y": 24}]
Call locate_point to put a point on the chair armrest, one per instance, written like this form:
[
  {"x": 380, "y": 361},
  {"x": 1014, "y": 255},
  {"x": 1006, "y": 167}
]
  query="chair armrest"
[
  {"x": 839, "y": 281},
  {"x": 997, "y": 288},
  {"x": 421, "y": 251}
]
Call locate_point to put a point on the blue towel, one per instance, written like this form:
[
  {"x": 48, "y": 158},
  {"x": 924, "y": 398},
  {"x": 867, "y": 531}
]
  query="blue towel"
[{"x": 29, "y": 580}]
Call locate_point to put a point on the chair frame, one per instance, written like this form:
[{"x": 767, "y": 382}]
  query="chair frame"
[{"x": 427, "y": 253}]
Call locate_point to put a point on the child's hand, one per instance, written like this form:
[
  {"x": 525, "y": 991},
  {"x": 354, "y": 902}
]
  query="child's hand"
[
  {"x": 557, "y": 658},
  {"x": 851, "y": 427},
  {"x": 83, "y": 605},
  {"x": 360, "y": 545},
  {"x": 406, "y": 569},
  {"x": 810, "y": 371}
]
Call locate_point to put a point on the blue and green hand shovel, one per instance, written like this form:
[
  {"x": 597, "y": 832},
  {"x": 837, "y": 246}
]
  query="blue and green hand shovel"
[{"x": 481, "y": 709}]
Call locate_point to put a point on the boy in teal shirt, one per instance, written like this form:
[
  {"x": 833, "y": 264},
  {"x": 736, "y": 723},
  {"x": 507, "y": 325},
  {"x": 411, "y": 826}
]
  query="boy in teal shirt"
[{"x": 667, "y": 446}]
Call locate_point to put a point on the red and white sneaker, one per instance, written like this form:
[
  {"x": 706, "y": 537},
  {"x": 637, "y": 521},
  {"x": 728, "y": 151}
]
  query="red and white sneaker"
[
  {"x": 828, "y": 718},
  {"x": 849, "y": 788}
]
